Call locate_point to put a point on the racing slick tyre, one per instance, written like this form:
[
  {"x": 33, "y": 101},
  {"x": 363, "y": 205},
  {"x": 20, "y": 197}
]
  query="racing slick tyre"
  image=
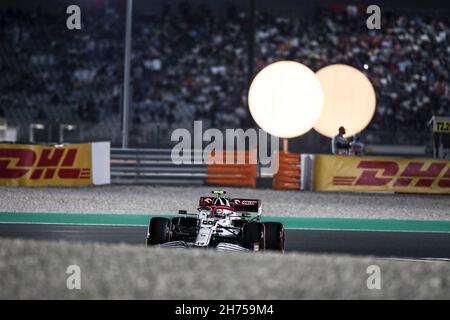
[
  {"x": 253, "y": 237},
  {"x": 159, "y": 231},
  {"x": 274, "y": 232}
]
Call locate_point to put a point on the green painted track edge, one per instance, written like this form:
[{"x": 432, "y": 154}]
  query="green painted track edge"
[{"x": 342, "y": 224}]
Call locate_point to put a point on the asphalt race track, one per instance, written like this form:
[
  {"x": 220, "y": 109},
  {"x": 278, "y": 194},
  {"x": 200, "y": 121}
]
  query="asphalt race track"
[{"x": 419, "y": 245}]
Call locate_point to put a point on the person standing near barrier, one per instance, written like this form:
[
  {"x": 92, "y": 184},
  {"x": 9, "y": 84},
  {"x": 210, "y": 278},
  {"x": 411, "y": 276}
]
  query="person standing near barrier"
[
  {"x": 339, "y": 144},
  {"x": 356, "y": 146}
]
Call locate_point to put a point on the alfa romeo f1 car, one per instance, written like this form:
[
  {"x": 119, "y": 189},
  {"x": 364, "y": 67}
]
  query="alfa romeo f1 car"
[{"x": 221, "y": 223}]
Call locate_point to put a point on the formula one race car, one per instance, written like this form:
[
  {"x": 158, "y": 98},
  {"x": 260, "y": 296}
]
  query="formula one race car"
[{"x": 221, "y": 223}]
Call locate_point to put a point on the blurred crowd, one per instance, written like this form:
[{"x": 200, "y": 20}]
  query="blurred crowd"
[
  {"x": 407, "y": 60},
  {"x": 189, "y": 64}
]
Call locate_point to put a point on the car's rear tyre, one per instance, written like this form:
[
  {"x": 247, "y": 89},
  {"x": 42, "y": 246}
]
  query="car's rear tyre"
[
  {"x": 274, "y": 232},
  {"x": 253, "y": 236},
  {"x": 159, "y": 231}
]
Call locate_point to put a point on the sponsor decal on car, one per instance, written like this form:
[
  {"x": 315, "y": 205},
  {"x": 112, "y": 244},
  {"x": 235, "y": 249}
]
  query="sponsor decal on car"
[
  {"x": 205, "y": 201},
  {"x": 246, "y": 202}
]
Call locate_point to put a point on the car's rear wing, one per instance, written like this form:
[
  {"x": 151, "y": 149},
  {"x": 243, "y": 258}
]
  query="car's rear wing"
[
  {"x": 247, "y": 205},
  {"x": 240, "y": 205}
]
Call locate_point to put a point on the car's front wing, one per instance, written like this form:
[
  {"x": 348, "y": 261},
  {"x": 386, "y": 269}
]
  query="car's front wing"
[{"x": 223, "y": 246}]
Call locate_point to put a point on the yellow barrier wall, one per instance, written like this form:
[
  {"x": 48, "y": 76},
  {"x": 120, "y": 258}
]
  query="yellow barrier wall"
[
  {"x": 344, "y": 173},
  {"x": 31, "y": 165}
]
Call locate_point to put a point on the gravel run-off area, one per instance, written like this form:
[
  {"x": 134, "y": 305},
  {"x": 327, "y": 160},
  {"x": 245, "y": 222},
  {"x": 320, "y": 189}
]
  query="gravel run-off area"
[
  {"x": 37, "y": 270},
  {"x": 168, "y": 200}
]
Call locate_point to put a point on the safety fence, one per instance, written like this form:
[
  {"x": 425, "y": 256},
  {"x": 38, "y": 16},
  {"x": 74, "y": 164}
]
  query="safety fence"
[
  {"x": 96, "y": 164},
  {"x": 155, "y": 166}
]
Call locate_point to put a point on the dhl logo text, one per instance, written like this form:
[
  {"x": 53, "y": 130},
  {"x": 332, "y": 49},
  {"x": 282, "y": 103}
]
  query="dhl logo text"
[
  {"x": 381, "y": 173},
  {"x": 16, "y": 163}
]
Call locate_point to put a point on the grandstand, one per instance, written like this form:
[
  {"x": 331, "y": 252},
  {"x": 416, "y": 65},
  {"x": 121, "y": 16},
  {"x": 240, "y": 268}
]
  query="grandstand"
[{"x": 190, "y": 63}]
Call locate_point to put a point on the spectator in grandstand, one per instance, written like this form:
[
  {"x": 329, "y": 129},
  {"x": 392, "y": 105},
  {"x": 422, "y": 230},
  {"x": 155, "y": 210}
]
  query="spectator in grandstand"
[{"x": 339, "y": 144}]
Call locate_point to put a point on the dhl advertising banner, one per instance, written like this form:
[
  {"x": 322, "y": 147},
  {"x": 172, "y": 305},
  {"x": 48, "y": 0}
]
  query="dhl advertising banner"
[
  {"x": 344, "y": 173},
  {"x": 36, "y": 165}
]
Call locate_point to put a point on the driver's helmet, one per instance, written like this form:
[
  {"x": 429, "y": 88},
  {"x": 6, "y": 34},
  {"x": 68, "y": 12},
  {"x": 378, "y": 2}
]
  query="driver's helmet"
[{"x": 223, "y": 209}]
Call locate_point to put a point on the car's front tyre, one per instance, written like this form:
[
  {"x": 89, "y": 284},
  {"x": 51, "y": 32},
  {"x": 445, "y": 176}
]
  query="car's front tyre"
[{"x": 159, "y": 231}]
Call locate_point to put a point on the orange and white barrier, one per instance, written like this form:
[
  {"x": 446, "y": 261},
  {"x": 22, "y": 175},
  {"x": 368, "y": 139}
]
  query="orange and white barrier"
[{"x": 289, "y": 171}]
